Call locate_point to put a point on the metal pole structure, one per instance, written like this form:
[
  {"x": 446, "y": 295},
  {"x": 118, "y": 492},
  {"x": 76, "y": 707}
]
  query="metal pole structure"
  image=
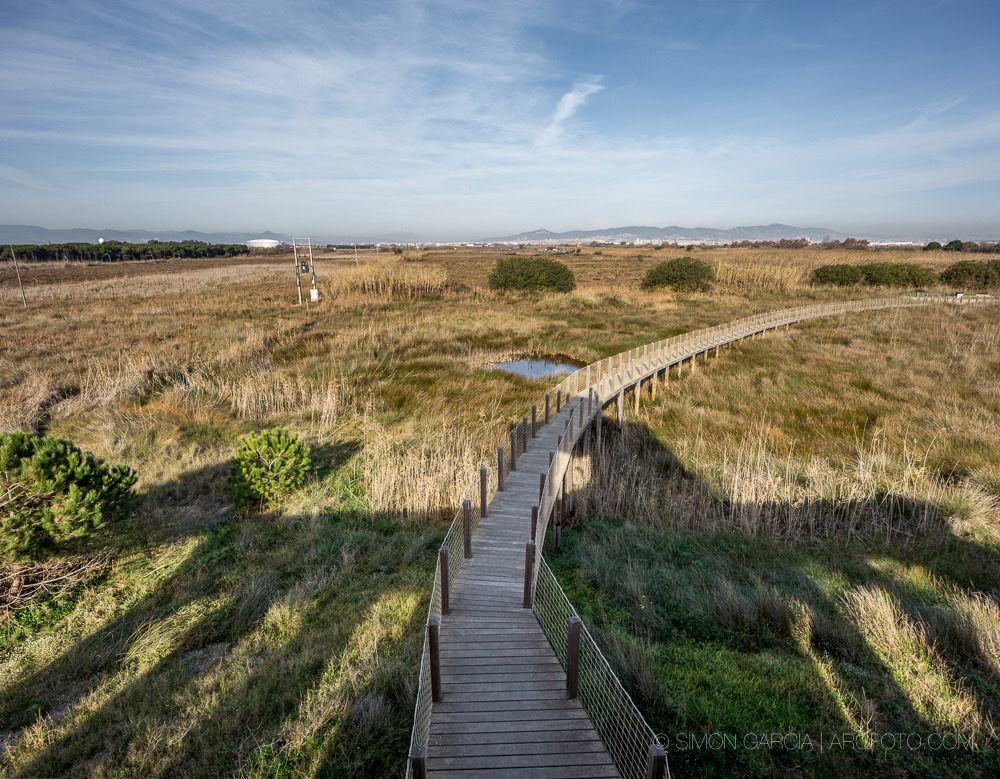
[
  {"x": 312, "y": 266},
  {"x": 18, "y": 269},
  {"x": 356, "y": 263},
  {"x": 298, "y": 279}
]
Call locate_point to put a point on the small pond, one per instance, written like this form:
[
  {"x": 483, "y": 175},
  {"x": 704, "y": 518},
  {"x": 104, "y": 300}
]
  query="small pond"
[{"x": 534, "y": 369}]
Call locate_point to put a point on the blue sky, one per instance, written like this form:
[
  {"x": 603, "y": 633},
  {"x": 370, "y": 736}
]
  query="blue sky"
[{"x": 463, "y": 119}]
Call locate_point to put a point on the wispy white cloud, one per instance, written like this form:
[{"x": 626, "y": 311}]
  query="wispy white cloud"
[
  {"x": 568, "y": 105},
  {"x": 440, "y": 117}
]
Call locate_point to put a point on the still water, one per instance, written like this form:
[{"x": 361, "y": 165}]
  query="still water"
[{"x": 534, "y": 369}]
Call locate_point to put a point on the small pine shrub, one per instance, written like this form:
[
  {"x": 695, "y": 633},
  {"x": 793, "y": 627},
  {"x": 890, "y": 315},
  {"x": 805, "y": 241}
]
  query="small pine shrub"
[
  {"x": 267, "y": 468},
  {"x": 531, "y": 274},
  {"x": 875, "y": 274},
  {"x": 970, "y": 274},
  {"x": 53, "y": 497},
  {"x": 684, "y": 274}
]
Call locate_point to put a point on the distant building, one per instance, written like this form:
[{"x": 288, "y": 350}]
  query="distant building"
[{"x": 263, "y": 243}]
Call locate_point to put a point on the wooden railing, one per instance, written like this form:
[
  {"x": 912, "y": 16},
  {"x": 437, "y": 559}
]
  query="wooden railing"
[{"x": 629, "y": 740}]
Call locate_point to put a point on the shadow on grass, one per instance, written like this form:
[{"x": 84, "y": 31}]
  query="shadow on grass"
[
  {"x": 715, "y": 594},
  {"x": 207, "y": 673}
]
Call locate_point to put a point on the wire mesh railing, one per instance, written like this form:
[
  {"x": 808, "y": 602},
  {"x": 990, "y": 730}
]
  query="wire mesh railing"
[
  {"x": 592, "y": 386},
  {"x": 616, "y": 719}
]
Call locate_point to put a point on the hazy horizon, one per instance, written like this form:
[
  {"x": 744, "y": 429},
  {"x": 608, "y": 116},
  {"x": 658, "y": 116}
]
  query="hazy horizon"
[{"x": 456, "y": 121}]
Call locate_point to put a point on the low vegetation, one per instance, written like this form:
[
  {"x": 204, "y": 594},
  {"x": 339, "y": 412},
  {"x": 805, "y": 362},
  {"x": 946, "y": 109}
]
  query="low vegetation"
[
  {"x": 785, "y": 542},
  {"x": 268, "y": 467},
  {"x": 876, "y": 274},
  {"x": 115, "y": 251},
  {"x": 531, "y": 274},
  {"x": 685, "y": 274},
  {"x": 970, "y": 274},
  {"x": 201, "y": 640},
  {"x": 53, "y": 497}
]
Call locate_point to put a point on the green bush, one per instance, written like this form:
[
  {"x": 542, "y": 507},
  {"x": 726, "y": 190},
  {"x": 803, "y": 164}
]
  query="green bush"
[
  {"x": 954, "y": 246},
  {"x": 53, "y": 497},
  {"x": 971, "y": 274},
  {"x": 876, "y": 274},
  {"x": 267, "y": 468},
  {"x": 531, "y": 274},
  {"x": 684, "y": 274},
  {"x": 932, "y": 246},
  {"x": 841, "y": 275}
]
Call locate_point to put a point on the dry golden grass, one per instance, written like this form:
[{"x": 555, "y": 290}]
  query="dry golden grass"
[
  {"x": 904, "y": 645},
  {"x": 389, "y": 279}
]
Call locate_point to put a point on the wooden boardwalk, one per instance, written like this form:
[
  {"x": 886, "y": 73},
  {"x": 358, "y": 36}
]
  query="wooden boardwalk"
[
  {"x": 504, "y": 710},
  {"x": 501, "y": 708}
]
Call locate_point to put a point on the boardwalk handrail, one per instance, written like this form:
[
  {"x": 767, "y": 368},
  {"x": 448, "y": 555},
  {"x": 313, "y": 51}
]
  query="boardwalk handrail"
[{"x": 626, "y": 735}]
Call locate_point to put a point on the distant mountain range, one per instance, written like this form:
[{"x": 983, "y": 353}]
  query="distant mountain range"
[
  {"x": 32, "y": 234},
  {"x": 773, "y": 232}
]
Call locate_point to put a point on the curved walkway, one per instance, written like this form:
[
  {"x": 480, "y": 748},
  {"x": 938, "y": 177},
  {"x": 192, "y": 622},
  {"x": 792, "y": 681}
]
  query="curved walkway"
[{"x": 512, "y": 684}]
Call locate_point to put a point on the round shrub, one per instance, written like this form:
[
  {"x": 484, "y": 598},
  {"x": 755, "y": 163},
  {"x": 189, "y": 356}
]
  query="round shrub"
[
  {"x": 933, "y": 246},
  {"x": 970, "y": 274},
  {"x": 684, "y": 274},
  {"x": 267, "y": 468},
  {"x": 531, "y": 274},
  {"x": 53, "y": 497},
  {"x": 840, "y": 275}
]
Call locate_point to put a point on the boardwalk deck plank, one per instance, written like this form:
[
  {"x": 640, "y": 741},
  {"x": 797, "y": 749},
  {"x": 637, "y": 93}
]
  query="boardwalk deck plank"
[{"x": 504, "y": 710}]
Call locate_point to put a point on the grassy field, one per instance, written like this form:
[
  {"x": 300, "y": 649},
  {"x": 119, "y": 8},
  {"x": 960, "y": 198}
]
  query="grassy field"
[{"x": 803, "y": 475}]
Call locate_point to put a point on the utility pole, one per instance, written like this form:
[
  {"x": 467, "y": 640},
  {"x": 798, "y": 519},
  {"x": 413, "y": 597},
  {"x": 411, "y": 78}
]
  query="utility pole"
[
  {"x": 18, "y": 269},
  {"x": 356, "y": 264}
]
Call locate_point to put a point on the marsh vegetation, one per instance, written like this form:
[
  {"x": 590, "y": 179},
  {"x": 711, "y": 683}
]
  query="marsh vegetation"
[{"x": 742, "y": 540}]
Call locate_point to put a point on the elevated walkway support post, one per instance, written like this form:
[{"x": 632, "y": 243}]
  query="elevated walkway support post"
[
  {"x": 656, "y": 766},
  {"x": 500, "y": 469},
  {"x": 445, "y": 584},
  {"x": 418, "y": 763},
  {"x": 467, "y": 527},
  {"x": 434, "y": 647},
  {"x": 573, "y": 656},
  {"x": 529, "y": 565},
  {"x": 483, "y": 498}
]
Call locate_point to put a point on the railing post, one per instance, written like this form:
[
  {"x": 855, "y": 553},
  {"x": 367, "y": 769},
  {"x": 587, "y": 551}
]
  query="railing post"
[
  {"x": 434, "y": 645},
  {"x": 445, "y": 600},
  {"x": 534, "y": 420},
  {"x": 547, "y": 407},
  {"x": 482, "y": 492},
  {"x": 557, "y": 514},
  {"x": 499, "y": 469},
  {"x": 529, "y": 566},
  {"x": 513, "y": 448},
  {"x": 656, "y": 766},
  {"x": 573, "y": 656},
  {"x": 534, "y": 522},
  {"x": 558, "y": 399},
  {"x": 467, "y": 522},
  {"x": 541, "y": 484},
  {"x": 418, "y": 763},
  {"x": 524, "y": 434}
]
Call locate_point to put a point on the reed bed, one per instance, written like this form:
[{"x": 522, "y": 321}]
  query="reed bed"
[{"x": 389, "y": 279}]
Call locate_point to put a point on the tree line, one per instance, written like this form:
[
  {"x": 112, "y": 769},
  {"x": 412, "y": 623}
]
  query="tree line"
[{"x": 115, "y": 251}]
